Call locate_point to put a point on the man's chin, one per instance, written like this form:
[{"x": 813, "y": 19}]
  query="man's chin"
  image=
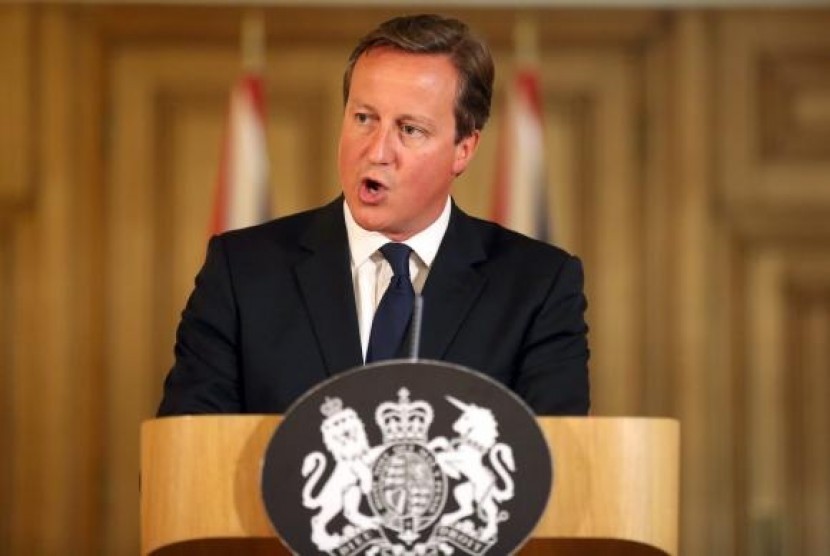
[{"x": 370, "y": 217}]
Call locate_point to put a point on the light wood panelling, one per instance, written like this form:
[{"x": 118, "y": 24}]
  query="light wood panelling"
[
  {"x": 51, "y": 428},
  {"x": 17, "y": 43},
  {"x": 7, "y": 330},
  {"x": 40, "y": 488},
  {"x": 706, "y": 505},
  {"x": 591, "y": 100},
  {"x": 16, "y": 101},
  {"x": 772, "y": 203},
  {"x": 774, "y": 72},
  {"x": 795, "y": 104},
  {"x": 609, "y": 191},
  {"x": 807, "y": 391},
  {"x": 783, "y": 372}
]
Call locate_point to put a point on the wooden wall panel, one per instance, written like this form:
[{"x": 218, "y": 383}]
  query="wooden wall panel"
[
  {"x": 17, "y": 43},
  {"x": 772, "y": 202},
  {"x": 808, "y": 445},
  {"x": 51, "y": 429},
  {"x": 783, "y": 341},
  {"x": 610, "y": 197},
  {"x": 14, "y": 29},
  {"x": 774, "y": 67},
  {"x": 795, "y": 103},
  {"x": 16, "y": 101},
  {"x": 686, "y": 181},
  {"x": 6, "y": 362}
]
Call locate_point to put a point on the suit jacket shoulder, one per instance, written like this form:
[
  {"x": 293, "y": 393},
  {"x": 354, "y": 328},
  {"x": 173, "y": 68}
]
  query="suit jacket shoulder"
[
  {"x": 272, "y": 314},
  {"x": 513, "y": 308}
]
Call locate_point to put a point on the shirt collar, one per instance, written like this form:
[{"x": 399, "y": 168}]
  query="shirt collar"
[{"x": 363, "y": 243}]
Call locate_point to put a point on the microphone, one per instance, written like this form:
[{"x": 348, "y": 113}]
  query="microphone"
[{"x": 415, "y": 327}]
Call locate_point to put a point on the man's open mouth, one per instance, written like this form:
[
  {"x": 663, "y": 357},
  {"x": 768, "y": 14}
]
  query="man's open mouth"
[{"x": 372, "y": 185}]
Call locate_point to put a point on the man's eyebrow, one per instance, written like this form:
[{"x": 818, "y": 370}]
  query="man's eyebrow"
[
  {"x": 363, "y": 106},
  {"x": 425, "y": 121},
  {"x": 405, "y": 117}
]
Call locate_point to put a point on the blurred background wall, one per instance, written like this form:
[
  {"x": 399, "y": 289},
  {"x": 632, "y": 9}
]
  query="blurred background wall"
[{"x": 689, "y": 166}]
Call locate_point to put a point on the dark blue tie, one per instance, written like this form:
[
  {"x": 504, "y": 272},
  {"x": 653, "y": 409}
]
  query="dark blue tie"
[{"x": 395, "y": 308}]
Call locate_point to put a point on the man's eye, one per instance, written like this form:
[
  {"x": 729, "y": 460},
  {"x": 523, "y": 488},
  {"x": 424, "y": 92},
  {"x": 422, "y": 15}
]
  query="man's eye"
[
  {"x": 361, "y": 117},
  {"x": 412, "y": 131}
]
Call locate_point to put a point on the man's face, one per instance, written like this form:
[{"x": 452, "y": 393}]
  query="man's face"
[{"x": 398, "y": 157}]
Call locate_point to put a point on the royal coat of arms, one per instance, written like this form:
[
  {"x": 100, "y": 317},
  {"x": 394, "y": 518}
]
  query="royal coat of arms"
[{"x": 410, "y": 494}]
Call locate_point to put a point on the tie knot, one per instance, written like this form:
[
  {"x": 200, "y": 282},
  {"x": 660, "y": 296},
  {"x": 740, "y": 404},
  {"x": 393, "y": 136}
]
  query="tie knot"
[{"x": 397, "y": 254}]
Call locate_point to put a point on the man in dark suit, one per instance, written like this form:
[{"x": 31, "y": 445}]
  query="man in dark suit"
[{"x": 279, "y": 307}]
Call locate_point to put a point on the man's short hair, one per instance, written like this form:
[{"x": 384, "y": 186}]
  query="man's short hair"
[{"x": 434, "y": 34}]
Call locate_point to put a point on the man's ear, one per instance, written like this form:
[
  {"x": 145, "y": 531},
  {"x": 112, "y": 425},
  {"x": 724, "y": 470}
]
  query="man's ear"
[{"x": 464, "y": 151}]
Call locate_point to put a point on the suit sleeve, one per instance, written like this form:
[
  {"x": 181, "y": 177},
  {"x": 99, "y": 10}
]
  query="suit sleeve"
[
  {"x": 553, "y": 377},
  {"x": 205, "y": 377}
]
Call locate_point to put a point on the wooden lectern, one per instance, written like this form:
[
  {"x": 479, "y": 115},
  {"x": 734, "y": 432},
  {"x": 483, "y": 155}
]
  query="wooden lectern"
[{"x": 615, "y": 488}]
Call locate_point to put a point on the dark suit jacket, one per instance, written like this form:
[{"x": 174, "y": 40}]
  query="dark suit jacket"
[{"x": 273, "y": 313}]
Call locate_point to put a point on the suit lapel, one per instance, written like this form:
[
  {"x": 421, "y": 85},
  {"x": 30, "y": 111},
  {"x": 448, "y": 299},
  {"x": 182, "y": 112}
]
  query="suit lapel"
[
  {"x": 452, "y": 286},
  {"x": 324, "y": 279}
]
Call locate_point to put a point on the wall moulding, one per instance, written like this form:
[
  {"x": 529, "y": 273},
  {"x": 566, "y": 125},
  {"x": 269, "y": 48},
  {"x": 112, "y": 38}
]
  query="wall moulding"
[{"x": 514, "y": 4}]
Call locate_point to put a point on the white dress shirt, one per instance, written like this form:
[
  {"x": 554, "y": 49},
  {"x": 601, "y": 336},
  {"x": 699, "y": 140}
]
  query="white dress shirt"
[{"x": 371, "y": 272}]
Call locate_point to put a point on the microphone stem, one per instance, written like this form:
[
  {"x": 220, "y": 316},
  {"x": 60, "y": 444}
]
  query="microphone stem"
[{"x": 415, "y": 330}]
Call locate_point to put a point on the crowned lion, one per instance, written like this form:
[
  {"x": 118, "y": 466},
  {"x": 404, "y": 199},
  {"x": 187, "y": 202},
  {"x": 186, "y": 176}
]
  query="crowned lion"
[{"x": 345, "y": 438}]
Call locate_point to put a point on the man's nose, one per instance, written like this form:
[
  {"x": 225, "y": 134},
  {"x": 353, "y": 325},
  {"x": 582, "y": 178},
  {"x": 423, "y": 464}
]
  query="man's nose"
[{"x": 381, "y": 145}]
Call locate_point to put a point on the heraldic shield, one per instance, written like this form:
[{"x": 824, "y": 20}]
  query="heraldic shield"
[{"x": 407, "y": 458}]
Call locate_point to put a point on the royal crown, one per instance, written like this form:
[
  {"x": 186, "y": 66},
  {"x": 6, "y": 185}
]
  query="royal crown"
[
  {"x": 404, "y": 421},
  {"x": 331, "y": 406},
  {"x": 337, "y": 417}
]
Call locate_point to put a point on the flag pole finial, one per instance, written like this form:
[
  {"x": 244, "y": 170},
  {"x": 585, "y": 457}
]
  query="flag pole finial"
[
  {"x": 526, "y": 40},
  {"x": 253, "y": 41}
]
